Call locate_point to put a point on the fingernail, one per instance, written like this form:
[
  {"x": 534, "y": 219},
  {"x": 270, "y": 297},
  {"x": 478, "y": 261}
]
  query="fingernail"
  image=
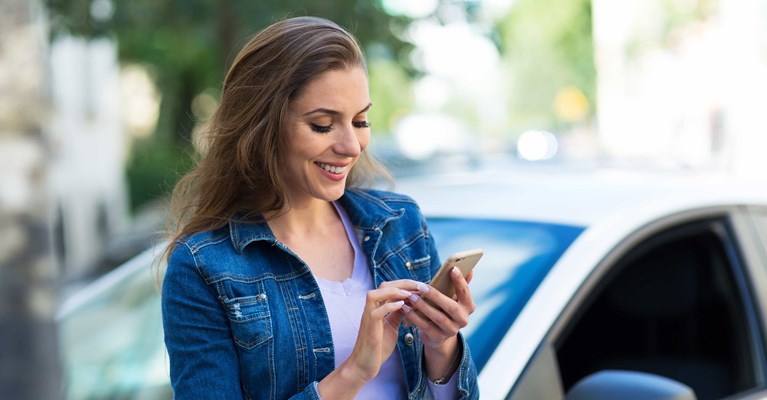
[
  {"x": 423, "y": 288},
  {"x": 414, "y": 298},
  {"x": 455, "y": 271},
  {"x": 405, "y": 292},
  {"x": 400, "y": 303},
  {"x": 406, "y": 309}
]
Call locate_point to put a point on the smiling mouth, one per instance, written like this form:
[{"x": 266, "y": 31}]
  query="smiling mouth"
[{"x": 330, "y": 168}]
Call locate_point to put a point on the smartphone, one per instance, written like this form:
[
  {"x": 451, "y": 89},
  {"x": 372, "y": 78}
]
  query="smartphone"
[{"x": 464, "y": 260}]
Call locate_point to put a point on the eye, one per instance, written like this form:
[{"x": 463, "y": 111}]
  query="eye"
[
  {"x": 361, "y": 124},
  {"x": 321, "y": 128}
]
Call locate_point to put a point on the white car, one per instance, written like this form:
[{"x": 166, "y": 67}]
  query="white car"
[{"x": 595, "y": 284}]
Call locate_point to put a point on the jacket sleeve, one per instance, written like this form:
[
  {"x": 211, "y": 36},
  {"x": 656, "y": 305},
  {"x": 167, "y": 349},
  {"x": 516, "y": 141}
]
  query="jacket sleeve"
[
  {"x": 203, "y": 360},
  {"x": 436, "y": 263},
  {"x": 467, "y": 373}
]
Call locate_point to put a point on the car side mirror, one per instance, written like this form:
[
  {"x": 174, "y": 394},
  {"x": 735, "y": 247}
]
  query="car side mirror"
[{"x": 629, "y": 385}]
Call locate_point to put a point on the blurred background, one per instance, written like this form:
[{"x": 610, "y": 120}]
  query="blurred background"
[{"x": 100, "y": 102}]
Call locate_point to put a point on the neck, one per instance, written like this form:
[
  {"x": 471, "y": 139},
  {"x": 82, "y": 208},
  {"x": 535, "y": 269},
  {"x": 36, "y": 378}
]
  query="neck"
[{"x": 295, "y": 221}]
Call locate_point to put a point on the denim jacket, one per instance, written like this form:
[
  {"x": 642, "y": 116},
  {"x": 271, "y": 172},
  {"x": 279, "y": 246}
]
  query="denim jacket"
[{"x": 244, "y": 317}]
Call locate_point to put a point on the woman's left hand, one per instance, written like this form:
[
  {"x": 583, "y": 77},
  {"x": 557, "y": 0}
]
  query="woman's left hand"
[
  {"x": 440, "y": 317},
  {"x": 438, "y": 320}
]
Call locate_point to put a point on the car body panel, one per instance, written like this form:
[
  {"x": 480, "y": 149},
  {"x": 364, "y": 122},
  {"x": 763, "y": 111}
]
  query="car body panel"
[{"x": 614, "y": 205}]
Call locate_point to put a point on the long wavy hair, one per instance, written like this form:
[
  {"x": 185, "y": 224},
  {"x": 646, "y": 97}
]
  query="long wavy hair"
[{"x": 240, "y": 168}]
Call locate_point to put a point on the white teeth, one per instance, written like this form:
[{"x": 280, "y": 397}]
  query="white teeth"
[{"x": 332, "y": 169}]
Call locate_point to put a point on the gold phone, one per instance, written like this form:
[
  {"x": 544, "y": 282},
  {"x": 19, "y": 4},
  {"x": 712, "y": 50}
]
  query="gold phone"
[{"x": 464, "y": 260}]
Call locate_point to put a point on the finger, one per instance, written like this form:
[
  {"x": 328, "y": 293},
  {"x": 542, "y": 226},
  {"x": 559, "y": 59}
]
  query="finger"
[
  {"x": 416, "y": 318},
  {"x": 462, "y": 293},
  {"x": 387, "y": 308},
  {"x": 444, "y": 310},
  {"x": 382, "y": 295},
  {"x": 470, "y": 277},
  {"x": 427, "y": 327},
  {"x": 434, "y": 297},
  {"x": 404, "y": 284},
  {"x": 439, "y": 316}
]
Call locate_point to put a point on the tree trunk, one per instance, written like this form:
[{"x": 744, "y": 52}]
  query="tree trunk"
[
  {"x": 227, "y": 23},
  {"x": 29, "y": 367}
]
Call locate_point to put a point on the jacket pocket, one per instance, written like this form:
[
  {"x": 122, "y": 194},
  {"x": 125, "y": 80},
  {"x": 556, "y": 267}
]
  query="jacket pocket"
[
  {"x": 409, "y": 262},
  {"x": 250, "y": 319}
]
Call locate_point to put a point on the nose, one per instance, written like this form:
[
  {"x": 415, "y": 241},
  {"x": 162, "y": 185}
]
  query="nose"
[{"x": 347, "y": 142}]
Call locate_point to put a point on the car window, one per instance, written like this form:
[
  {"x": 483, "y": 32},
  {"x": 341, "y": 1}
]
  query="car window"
[
  {"x": 518, "y": 255},
  {"x": 677, "y": 305}
]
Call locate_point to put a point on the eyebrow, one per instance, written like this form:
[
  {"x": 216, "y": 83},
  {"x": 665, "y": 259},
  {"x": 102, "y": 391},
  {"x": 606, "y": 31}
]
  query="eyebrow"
[{"x": 334, "y": 112}]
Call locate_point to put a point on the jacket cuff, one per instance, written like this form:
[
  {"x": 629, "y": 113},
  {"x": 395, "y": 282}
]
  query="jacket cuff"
[{"x": 309, "y": 393}]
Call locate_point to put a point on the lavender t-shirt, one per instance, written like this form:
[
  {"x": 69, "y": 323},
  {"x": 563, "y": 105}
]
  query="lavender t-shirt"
[{"x": 344, "y": 302}]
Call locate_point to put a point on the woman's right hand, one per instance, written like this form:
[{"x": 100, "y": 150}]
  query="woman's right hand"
[
  {"x": 376, "y": 340},
  {"x": 379, "y": 327}
]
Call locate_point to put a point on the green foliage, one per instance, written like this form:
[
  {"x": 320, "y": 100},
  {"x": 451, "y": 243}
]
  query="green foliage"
[
  {"x": 188, "y": 43},
  {"x": 676, "y": 16},
  {"x": 153, "y": 169},
  {"x": 390, "y": 92},
  {"x": 547, "y": 45}
]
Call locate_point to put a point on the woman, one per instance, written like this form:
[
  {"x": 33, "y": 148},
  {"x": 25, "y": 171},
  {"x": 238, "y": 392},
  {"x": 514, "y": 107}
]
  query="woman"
[{"x": 283, "y": 280}]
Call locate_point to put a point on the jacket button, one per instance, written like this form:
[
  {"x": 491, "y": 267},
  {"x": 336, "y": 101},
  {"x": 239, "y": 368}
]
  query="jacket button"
[
  {"x": 409, "y": 339},
  {"x": 366, "y": 238}
]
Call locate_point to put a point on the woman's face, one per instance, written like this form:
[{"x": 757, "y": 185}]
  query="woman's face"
[{"x": 327, "y": 130}]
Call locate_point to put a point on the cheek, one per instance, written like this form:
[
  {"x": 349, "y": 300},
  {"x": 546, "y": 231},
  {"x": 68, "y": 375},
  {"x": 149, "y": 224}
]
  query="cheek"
[{"x": 364, "y": 139}]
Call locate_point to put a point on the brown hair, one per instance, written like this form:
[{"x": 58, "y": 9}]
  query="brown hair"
[{"x": 240, "y": 172}]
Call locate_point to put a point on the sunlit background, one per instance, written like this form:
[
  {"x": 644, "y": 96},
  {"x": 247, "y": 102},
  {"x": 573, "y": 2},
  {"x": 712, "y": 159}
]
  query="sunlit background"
[{"x": 101, "y": 100}]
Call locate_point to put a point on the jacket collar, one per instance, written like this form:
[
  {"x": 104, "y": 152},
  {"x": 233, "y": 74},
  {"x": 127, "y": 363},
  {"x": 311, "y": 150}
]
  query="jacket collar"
[
  {"x": 243, "y": 232},
  {"x": 366, "y": 212}
]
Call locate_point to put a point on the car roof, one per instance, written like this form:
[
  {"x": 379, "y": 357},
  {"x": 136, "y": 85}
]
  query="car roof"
[{"x": 575, "y": 195}]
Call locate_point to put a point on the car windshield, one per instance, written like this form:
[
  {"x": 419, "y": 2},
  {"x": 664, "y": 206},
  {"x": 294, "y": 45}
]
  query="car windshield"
[
  {"x": 112, "y": 343},
  {"x": 518, "y": 255}
]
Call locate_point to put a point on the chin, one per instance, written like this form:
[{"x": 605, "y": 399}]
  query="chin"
[
  {"x": 335, "y": 195},
  {"x": 331, "y": 194}
]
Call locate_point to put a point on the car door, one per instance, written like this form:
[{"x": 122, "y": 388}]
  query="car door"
[{"x": 680, "y": 298}]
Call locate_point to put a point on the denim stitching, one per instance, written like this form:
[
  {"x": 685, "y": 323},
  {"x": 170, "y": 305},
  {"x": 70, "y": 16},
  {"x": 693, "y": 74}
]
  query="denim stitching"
[
  {"x": 198, "y": 265},
  {"x": 197, "y": 245},
  {"x": 272, "y": 369},
  {"x": 255, "y": 279},
  {"x": 383, "y": 198},
  {"x": 422, "y": 260},
  {"x": 371, "y": 198}
]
